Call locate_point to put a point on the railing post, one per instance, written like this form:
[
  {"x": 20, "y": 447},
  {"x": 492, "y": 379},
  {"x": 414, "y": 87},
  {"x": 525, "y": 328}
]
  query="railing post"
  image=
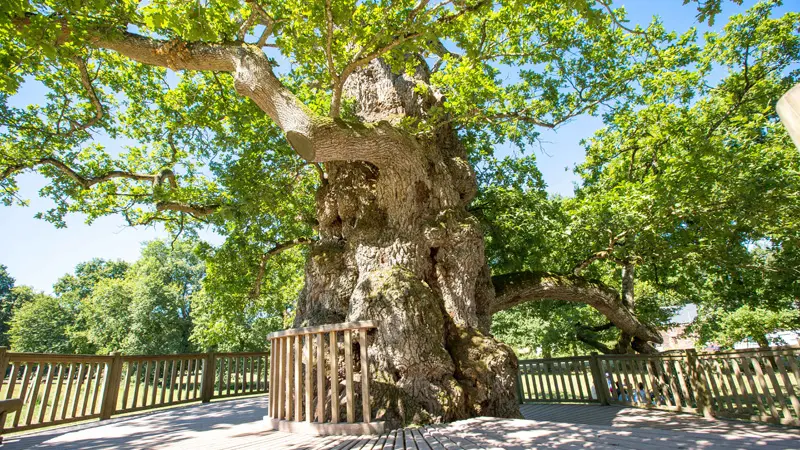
[
  {"x": 209, "y": 369},
  {"x": 520, "y": 397},
  {"x": 3, "y": 368},
  {"x": 697, "y": 380},
  {"x": 599, "y": 380},
  {"x": 111, "y": 387},
  {"x": 3, "y": 364}
]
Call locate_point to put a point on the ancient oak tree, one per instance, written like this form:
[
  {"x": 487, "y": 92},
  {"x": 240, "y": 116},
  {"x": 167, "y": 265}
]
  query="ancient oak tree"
[{"x": 353, "y": 128}]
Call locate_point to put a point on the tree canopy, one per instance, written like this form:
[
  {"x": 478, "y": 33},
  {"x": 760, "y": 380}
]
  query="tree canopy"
[
  {"x": 225, "y": 114},
  {"x": 695, "y": 188},
  {"x": 157, "y": 305}
]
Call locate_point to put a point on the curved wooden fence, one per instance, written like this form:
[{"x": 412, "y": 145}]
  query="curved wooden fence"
[
  {"x": 753, "y": 384},
  {"x": 59, "y": 389},
  {"x": 321, "y": 380}
]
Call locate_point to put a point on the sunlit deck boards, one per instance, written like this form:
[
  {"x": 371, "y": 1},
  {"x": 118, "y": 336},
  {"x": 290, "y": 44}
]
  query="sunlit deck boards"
[{"x": 238, "y": 424}]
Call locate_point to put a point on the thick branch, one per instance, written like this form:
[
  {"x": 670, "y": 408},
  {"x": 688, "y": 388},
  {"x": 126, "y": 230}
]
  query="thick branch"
[
  {"x": 520, "y": 287},
  {"x": 251, "y": 70},
  {"x": 193, "y": 209},
  {"x": 87, "y": 182},
  {"x": 279, "y": 248},
  {"x": 592, "y": 341},
  {"x": 362, "y": 60},
  {"x": 336, "y": 101},
  {"x": 315, "y": 138}
]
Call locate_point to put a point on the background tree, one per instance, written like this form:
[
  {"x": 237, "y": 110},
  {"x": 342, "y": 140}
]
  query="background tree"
[
  {"x": 149, "y": 309},
  {"x": 392, "y": 109},
  {"x": 40, "y": 325},
  {"x": 694, "y": 191},
  {"x": 73, "y": 290},
  {"x": 237, "y": 309},
  {"x": 747, "y": 323},
  {"x": 7, "y": 303}
]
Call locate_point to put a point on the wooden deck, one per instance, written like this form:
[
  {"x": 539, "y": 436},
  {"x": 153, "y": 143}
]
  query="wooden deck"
[{"x": 238, "y": 424}]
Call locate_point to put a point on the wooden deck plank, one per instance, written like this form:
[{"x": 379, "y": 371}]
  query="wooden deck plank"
[
  {"x": 237, "y": 424},
  {"x": 419, "y": 440},
  {"x": 431, "y": 440},
  {"x": 389, "y": 442}
]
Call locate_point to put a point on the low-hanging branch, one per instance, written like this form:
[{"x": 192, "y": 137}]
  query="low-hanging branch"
[
  {"x": 520, "y": 287},
  {"x": 591, "y": 340},
  {"x": 277, "y": 249}
]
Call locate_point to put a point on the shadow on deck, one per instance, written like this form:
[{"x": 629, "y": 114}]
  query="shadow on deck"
[{"x": 237, "y": 424}]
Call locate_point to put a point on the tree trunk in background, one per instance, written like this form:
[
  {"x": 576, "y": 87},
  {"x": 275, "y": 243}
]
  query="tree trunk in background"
[
  {"x": 397, "y": 246},
  {"x": 629, "y": 302}
]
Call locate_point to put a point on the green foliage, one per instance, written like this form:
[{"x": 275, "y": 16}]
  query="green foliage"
[
  {"x": 546, "y": 329},
  {"x": 693, "y": 180},
  {"x": 695, "y": 183},
  {"x": 40, "y": 325},
  {"x": 232, "y": 315},
  {"x": 754, "y": 323},
  {"x": 81, "y": 284},
  {"x": 149, "y": 310},
  {"x": 7, "y": 303},
  {"x": 701, "y": 179},
  {"x": 523, "y": 227}
]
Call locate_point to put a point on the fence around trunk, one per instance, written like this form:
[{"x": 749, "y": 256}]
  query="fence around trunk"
[
  {"x": 322, "y": 380},
  {"x": 59, "y": 389},
  {"x": 753, "y": 384}
]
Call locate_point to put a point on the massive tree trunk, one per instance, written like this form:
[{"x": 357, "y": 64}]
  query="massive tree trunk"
[{"x": 396, "y": 245}]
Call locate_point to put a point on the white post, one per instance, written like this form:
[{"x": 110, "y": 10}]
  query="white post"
[{"x": 789, "y": 111}]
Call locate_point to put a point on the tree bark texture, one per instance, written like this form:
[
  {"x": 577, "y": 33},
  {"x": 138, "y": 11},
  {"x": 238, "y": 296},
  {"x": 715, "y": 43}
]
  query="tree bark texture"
[{"x": 397, "y": 245}]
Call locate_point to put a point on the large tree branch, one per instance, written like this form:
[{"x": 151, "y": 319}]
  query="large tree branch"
[
  {"x": 192, "y": 209},
  {"x": 277, "y": 249},
  {"x": 362, "y": 59},
  {"x": 249, "y": 66},
  {"x": 315, "y": 138},
  {"x": 520, "y": 287},
  {"x": 87, "y": 182}
]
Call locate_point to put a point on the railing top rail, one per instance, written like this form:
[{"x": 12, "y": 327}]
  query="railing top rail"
[
  {"x": 47, "y": 357},
  {"x": 169, "y": 357},
  {"x": 323, "y": 328},
  {"x": 789, "y": 349},
  {"x": 241, "y": 354},
  {"x": 645, "y": 356},
  {"x": 561, "y": 358}
]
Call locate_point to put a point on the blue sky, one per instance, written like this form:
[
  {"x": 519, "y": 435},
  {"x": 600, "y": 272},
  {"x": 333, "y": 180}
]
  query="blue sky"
[{"x": 37, "y": 254}]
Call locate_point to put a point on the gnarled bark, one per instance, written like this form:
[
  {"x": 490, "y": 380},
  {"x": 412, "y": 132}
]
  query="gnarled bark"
[{"x": 397, "y": 245}]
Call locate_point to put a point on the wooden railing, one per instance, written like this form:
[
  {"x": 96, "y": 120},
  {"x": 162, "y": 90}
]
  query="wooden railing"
[
  {"x": 753, "y": 384},
  {"x": 561, "y": 380},
  {"x": 316, "y": 380},
  {"x": 58, "y": 389}
]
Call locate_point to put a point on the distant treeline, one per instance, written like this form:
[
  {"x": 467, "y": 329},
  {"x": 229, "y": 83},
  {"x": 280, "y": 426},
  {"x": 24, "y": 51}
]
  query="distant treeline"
[{"x": 155, "y": 305}]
